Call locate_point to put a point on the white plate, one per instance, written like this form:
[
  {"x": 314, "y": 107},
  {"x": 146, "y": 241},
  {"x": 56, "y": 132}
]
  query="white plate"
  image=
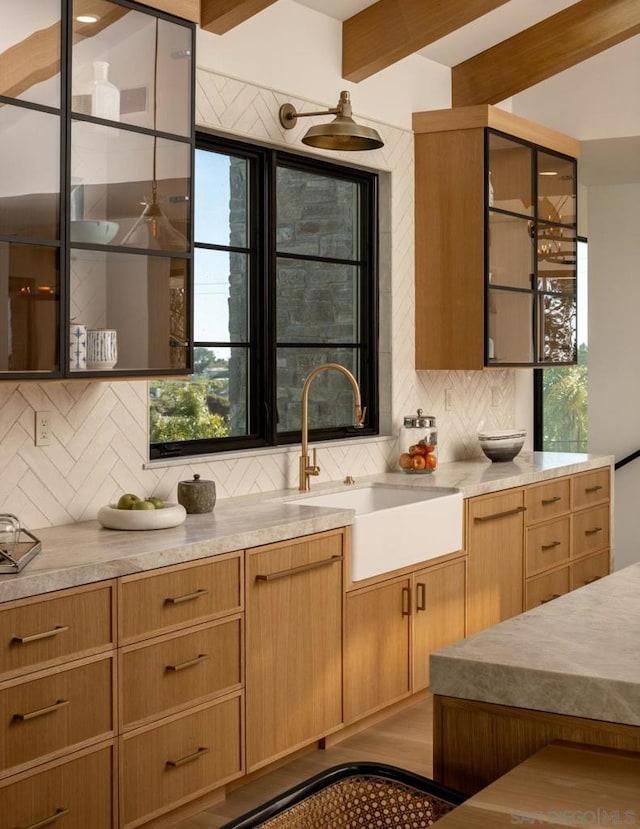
[{"x": 171, "y": 515}]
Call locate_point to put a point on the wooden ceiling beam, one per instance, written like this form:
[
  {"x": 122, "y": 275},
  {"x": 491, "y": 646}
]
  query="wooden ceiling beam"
[
  {"x": 541, "y": 51},
  {"x": 389, "y": 30},
  {"x": 219, "y": 16}
]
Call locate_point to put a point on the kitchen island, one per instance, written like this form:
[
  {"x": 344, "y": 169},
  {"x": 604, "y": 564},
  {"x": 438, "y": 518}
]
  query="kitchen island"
[{"x": 567, "y": 670}]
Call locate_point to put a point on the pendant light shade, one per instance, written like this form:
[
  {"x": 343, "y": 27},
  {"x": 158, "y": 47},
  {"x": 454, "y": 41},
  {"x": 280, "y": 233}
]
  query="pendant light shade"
[{"x": 340, "y": 134}]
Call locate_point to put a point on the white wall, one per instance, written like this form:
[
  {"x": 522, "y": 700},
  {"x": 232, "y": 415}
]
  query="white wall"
[{"x": 614, "y": 349}]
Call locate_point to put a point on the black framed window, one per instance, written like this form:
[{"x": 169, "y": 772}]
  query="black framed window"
[{"x": 285, "y": 279}]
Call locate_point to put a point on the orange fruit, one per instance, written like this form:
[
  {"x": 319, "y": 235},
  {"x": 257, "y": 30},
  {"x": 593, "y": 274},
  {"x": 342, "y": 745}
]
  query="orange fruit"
[
  {"x": 419, "y": 462},
  {"x": 431, "y": 461},
  {"x": 406, "y": 461}
]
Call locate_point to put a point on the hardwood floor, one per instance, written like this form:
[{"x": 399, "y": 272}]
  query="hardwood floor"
[{"x": 404, "y": 739}]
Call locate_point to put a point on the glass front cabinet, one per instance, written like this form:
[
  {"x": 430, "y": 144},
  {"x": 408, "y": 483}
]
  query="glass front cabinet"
[
  {"x": 96, "y": 193},
  {"x": 495, "y": 241}
]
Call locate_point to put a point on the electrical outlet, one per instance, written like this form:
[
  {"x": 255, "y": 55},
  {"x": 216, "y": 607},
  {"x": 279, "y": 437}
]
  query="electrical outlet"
[
  {"x": 448, "y": 400},
  {"x": 43, "y": 428}
]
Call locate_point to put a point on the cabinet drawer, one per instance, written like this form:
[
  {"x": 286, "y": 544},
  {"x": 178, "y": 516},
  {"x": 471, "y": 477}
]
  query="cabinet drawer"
[
  {"x": 589, "y": 569},
  {"x": 178, "y": 596},
  {"x": 543, "y": 589},
  {"x": 175, "y": 762},
  {"x": 76, "y": 794},
  {"x": 547, "y": 500},
  {"x": 180, "y": 670},
  {"x": 591, "y": 487},
  {"x": 44, "y": 630},
  {"x": 590, "y": 530},
  {"x": 54, "y": 711},
  {"x": 547, "y": 545}
]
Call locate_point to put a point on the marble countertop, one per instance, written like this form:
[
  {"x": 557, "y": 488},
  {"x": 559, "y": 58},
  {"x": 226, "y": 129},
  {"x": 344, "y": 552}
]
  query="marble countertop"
[
  {"x": 85, "y": 552},
  {"x": 577, "y": 655}
]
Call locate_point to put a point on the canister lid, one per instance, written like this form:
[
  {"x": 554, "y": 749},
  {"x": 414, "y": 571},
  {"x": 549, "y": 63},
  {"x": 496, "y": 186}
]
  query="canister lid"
[
  {"x": 196, "y": 482},
  {"x": 422, "y": 420}
]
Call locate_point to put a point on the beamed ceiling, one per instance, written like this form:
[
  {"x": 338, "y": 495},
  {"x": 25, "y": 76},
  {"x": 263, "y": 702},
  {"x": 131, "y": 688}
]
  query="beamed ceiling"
[{"x": 382, "y": 32}]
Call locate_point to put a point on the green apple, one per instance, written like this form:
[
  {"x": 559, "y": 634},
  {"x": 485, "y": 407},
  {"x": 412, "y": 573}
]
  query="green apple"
[
  {"x": 127, "y": 500},
  {"x": 142, "y": 505},
  {"x": 158, "y": 503}
]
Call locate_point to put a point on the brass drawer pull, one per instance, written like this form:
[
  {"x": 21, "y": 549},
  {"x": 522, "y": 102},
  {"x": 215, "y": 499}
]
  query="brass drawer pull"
[
  {"x": 201, "y": 657},
  {"x": 188, "y": 597},
  {"x": 499, "y": 514},
  {"x": 421, "y": 597},
  {"x": 35, "y": 637},
  {"x": 46, "y": 821},
  {"x": 190, "y": 758},
  {"x": 550, "y": 546},
  {"x": 592, "y": 579},
  {"x": 406, "y": 601},
  {"x": 40, "y": 712},
  {"x": 593, "y": 531},
  {"x": 546, "y": 501},
  {"x": 303, "y": 568},
  {"x": 589, "y": 489},
  {"x": 550, "y": 598}
]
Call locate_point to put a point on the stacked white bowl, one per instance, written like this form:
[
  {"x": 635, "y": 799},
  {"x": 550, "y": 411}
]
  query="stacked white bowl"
[{"x": 501, "y": 444}]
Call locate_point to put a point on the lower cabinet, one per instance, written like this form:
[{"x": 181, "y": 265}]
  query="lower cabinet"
[
  {"x": 495, "y": 548},
  {"x": 294, "y": 599},
  {"x": 166, "y": 765},
  {"x": 74, "y": 793},
  {"x": 392, "y": 626}
]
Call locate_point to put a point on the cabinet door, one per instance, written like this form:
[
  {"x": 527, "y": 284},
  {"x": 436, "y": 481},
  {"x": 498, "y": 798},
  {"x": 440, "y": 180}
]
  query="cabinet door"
[
  {"x": 377, "y": 669},
  {"x": 293, "y": 645},
  {"x": 438, "y": 619},
  {"x": 495, "y": 545}
]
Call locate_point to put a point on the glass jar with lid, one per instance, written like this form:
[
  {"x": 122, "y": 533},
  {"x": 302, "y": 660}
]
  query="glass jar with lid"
[{"x": 418, "y": 444}]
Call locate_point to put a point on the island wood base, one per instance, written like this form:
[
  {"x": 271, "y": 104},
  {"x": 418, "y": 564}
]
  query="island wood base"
[{"x": 475, "y": 743}]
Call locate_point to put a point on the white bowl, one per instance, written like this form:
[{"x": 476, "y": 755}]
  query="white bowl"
[
  {"x": 171, "y": 515},
  {"x": 499, "y": 446},
  {"x": 93, "y": 231}
]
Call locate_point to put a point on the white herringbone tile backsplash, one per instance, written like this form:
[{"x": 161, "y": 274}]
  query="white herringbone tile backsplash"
[{"x": 100, "y": 430}]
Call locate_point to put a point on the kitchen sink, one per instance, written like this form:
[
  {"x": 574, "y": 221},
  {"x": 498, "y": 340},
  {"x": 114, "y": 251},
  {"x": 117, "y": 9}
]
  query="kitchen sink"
[{"x": 395, "y": 526}]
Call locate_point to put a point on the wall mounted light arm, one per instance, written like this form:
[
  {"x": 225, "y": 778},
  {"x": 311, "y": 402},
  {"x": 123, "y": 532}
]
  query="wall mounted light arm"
[{"x": 340, "y": 134}]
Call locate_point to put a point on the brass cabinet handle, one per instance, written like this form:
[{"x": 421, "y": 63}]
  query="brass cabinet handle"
[
  {"x": 40, "y": 712},
  {"x": 592, "y": 579},
  {"x": 595, "y": 488},
  {"x": 546, "y": 501},
  {"x": 421, "y": 596},
  {"x": 35, "y": 637},
  {"x": 550, "y": 598},
  {"x": 201, "y": 657},
  {"x": 46, "y": 821},
  {"x": 593, "y": 531},
  {"x": 188, "y": 597},
  {"x": 303, "y": 568},
  {"x": 406, "y": 601},
  {"x": 550, "y": 546},
  {"x": 499, "y": 514},
  {"x": 190, "y": 758}
]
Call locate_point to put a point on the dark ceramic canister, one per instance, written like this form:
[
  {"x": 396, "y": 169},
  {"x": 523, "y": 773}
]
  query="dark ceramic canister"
[{"x": 196, "y": 495}]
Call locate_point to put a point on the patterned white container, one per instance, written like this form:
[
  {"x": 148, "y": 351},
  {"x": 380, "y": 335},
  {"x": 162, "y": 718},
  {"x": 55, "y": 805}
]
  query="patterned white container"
[
  {"x": 102, "y": 348},
  {"x": 77, "y": 347}
]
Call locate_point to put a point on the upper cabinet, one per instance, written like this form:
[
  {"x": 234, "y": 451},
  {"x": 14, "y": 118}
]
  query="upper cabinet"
[
  {"x": 495, "y": 241},
  {"x": 96, "y": 206}
]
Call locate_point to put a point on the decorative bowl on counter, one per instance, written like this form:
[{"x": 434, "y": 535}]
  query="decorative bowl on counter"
[
  {"x": 171, "y": 515},
  {"x": 93, "y": 231},
  {"x": 501, "y": 444}
]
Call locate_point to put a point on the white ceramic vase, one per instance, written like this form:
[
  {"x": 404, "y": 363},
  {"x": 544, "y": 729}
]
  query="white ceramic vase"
[{"x": 102, "y": 348}]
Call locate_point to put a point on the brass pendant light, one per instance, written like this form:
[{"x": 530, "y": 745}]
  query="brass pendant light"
[
  {"x": 153, "y": 230},
  {"x": 340, "y": 134}
]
